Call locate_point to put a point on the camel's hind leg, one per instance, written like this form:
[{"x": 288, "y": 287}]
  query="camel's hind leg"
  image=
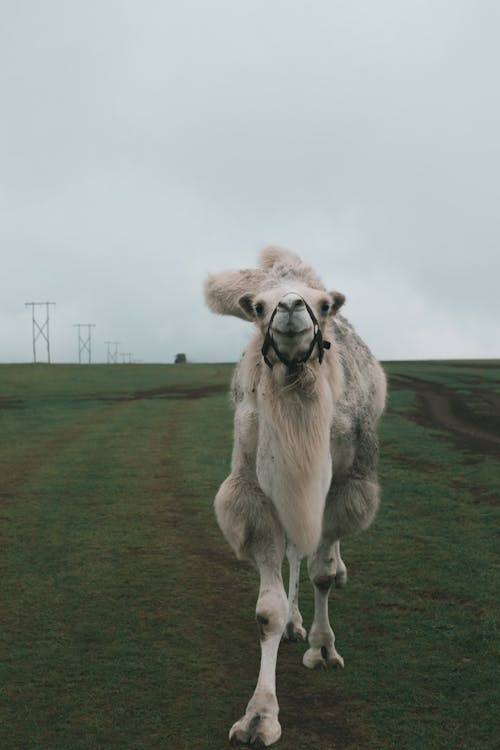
[
  {"x": 325, "y": 567},
  {"x": 294, "y": 630}
]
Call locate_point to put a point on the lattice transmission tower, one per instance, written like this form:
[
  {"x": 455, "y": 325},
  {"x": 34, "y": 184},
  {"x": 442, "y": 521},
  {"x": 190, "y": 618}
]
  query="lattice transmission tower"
[
  {"x": 40, "y": 325},
  {"x": 112, "y": 353},
  {"x": 84, "y": 341}
]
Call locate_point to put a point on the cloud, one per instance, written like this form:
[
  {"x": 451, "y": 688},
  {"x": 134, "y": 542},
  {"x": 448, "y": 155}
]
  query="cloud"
[{"x": 142, "y": 146}]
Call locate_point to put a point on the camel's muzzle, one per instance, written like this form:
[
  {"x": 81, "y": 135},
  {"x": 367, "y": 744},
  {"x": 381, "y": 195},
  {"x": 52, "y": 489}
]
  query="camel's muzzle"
[{"x": 291, "y": 364}]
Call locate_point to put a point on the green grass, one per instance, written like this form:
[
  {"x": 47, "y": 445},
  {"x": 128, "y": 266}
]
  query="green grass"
[
  {"x": 460, "y": 373},
  {"x": 126, "y": 622}
]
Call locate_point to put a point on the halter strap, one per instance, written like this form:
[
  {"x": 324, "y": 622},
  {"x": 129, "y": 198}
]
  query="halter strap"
[{"x": 292, "y": 363}]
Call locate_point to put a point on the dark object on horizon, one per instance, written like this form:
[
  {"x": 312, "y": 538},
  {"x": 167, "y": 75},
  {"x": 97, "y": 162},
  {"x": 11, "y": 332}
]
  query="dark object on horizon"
[{"x": 180, "y": 359}]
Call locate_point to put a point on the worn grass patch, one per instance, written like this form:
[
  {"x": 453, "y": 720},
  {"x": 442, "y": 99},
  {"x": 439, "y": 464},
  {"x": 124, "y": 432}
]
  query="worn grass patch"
[{"x": 126, "y": 621}]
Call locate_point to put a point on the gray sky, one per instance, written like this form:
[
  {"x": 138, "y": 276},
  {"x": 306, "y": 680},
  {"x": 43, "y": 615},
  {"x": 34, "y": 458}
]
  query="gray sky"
[{"x": 144, "y": 144}]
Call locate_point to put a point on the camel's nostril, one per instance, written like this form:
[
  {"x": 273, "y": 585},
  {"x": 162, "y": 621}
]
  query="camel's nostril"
[{"x": 291, "y": 305}]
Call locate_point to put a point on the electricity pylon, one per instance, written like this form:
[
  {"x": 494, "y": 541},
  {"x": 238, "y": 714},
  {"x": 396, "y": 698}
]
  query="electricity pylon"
[
  {"x": 40, "y": 329},
  {"x": 112, "y": 355},
  {"x": 84, "y": 342}
]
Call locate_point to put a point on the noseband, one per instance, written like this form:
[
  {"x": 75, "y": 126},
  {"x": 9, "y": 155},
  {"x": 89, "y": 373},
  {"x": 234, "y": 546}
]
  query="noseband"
[{"x": 292, "y": 363}]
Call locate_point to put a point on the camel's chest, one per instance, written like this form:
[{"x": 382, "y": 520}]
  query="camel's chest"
[{"x": 293, "y": 450}]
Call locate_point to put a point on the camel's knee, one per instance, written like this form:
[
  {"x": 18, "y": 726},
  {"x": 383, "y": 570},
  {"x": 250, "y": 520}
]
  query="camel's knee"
[
  {"x": 322, "y": 568},
  {"x": 324, "y": 583},
  {"x": 271, "y": 613}
]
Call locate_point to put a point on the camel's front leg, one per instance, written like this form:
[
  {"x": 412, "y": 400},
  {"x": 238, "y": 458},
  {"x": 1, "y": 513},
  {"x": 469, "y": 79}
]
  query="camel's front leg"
[
  {"x": 294, "y": 630},
  {"x": 260, "y": 725},
  {"x": 325, "y": 567}
]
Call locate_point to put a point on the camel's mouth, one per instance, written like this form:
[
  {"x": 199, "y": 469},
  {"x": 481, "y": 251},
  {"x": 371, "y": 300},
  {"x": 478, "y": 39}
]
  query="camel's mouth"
[{"x": 290, "y": 334}]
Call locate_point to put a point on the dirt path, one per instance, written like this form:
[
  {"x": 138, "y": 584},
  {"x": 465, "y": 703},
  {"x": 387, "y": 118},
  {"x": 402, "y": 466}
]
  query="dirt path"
[
  {"x": 42, "y": 448},
  {"x": 180, "y": 391},
  {"x": 473, "y": 420}
]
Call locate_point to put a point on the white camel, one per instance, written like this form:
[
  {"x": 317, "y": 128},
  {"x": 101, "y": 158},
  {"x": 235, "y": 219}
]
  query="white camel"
[{"x": 307, "y": 396}]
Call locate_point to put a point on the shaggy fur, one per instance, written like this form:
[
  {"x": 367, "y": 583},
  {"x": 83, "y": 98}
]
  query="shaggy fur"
[{"x": 304, "y": 464}]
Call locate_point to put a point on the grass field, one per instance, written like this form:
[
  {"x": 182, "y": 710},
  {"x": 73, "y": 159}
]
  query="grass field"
[{"x": 126, "y": 622}]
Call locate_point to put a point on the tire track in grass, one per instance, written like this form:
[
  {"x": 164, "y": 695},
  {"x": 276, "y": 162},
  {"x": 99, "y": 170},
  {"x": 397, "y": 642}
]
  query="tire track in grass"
[
  {"x": 118, "y": 563},
  {"x": 474, "y": 426},
  {"x": 79, "y": 624},
  {"x": 41, "y": 449},
  {"x": 42, "y": 581}
]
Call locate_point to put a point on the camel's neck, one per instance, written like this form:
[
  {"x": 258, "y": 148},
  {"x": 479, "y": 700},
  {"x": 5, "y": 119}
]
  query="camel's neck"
[
  {"x": 298, "y": 406},
  {"x": 293, "y": 456}
]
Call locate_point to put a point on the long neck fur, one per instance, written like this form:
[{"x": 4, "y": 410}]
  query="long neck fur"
[{"x": 293, "y": 456}]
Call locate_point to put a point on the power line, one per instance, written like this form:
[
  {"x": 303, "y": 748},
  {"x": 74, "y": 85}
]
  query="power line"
[
  {"x": 84, "y": 341},
  {"x": 40, "y": 328}
]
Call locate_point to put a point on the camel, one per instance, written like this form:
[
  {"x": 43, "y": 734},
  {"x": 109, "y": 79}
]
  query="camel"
[{"x": 307, "y": 395}]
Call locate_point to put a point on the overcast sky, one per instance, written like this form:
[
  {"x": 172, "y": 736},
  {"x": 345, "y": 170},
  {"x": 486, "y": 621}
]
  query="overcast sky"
[{"x": 145, "y": 143}]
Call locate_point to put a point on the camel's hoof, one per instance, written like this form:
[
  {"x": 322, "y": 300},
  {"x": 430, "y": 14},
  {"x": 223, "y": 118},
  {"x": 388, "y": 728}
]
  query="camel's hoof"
[
  {"x": 294, "y": 632},
  {"x": 322, "y": 658},
  {"x": 255, "y": 730}
]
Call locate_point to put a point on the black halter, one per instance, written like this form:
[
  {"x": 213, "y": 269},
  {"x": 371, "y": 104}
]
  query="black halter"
[{"x": 292, "y": 363}]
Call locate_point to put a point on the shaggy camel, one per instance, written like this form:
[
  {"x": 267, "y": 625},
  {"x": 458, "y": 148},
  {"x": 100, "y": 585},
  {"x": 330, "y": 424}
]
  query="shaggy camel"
[{"x": 307, "y": 395}]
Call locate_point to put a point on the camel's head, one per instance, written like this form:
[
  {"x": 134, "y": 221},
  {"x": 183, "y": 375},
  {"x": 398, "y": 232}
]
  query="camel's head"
[
  {"x": 284, "y": 298},
  {"x": 292, "y": 320}
]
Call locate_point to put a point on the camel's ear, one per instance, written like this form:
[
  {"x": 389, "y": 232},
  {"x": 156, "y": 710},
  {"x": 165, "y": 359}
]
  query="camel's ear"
[
  {"x": 338, "y": 300},
  {"x": 223, "y": 291}
]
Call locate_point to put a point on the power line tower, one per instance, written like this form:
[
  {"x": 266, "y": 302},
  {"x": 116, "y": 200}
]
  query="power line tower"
[
  {"x": 112, "y": 354},
  {"x": 126, "y": 358},
  {"x": 40, "y": 327},
  {"x": 84, "y": 341}
]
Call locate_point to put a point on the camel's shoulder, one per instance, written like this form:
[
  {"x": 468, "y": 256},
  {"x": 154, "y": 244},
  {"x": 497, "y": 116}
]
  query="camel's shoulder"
[
  {"x": 364, "y": 383},
  {"x": 246, "y": 375}
]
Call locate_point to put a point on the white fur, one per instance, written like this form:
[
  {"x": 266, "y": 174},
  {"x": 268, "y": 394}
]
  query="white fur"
[{"x": 294, "y": 466}]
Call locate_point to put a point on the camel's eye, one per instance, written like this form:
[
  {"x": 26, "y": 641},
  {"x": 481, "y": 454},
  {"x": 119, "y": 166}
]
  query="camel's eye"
[
  {"x": 259, "y": 309},
  {"x": 325, "y": 307}
]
